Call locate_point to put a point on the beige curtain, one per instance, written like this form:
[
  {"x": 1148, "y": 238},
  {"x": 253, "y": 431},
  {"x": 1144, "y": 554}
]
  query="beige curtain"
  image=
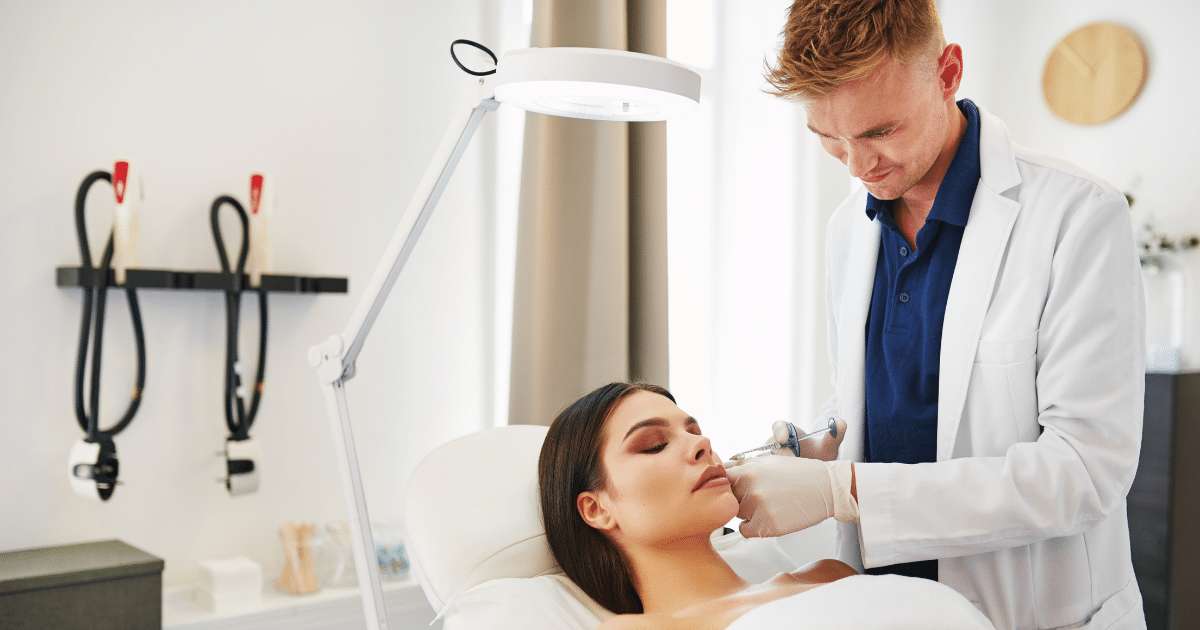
[{"x": 591, "y": 279}]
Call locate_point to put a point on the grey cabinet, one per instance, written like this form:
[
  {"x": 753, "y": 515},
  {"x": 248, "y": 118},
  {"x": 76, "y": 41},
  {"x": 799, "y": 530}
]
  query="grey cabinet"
[
  {"x": 97, "y": 586},
  {"x": 1164, "y": 503}
]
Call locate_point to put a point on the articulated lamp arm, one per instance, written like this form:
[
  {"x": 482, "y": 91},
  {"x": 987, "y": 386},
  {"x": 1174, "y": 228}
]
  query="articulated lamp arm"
[
  {"x": 349, "y": 344},
  {"x": 334, "y": 359}
]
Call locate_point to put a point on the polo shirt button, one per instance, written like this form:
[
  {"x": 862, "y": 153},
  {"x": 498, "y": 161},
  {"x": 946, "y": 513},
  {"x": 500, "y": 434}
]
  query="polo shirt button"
[
  {"x": 903, "y": 250},
  {"x": 903, "y": 297}
]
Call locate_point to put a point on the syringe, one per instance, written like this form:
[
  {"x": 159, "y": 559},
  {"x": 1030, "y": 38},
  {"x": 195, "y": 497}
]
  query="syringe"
[{"x": 785, "y": 436}]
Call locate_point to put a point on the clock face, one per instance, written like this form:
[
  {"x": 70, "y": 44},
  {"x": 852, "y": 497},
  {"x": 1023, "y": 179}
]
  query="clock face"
[{"x": 1094, "y": 73}]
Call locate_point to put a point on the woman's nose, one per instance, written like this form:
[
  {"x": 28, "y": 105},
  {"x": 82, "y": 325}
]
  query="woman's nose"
[{"x": 701, "y": 448}]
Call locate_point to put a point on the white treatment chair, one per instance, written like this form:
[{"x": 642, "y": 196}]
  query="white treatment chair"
[{"x": 475, "y": 537}]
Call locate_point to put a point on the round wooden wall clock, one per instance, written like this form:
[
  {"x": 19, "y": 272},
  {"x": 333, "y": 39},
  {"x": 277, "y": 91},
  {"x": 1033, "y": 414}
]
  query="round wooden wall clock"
[{"x": 1094, "y": 73}]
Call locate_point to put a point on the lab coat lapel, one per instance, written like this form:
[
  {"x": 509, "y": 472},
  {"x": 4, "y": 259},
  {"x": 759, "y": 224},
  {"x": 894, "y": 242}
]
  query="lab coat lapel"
[
  {"x": 861, "y": 256},
  {"x": 980, "y": 255}
]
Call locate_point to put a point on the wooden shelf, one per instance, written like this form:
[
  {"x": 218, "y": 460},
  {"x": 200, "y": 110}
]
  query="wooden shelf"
[{"x": 199, "y": 280}]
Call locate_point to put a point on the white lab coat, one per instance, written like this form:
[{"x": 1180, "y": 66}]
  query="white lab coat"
[{"x": 1039, "y": 404}]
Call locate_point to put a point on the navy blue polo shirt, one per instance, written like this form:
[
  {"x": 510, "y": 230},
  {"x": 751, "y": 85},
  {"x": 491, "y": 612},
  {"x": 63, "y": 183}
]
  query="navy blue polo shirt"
[{"x": 904, "y": 324}]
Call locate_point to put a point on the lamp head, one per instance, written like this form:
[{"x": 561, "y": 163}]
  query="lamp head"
[{"x": 596, "y": 84}]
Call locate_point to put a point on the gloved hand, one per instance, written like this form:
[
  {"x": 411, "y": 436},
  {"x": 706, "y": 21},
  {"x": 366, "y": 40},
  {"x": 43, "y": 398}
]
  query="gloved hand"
[{"x": 781, "y": 495}]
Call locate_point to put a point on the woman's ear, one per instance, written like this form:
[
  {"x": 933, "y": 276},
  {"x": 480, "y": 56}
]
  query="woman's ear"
[{"x": 593, "y": 511}]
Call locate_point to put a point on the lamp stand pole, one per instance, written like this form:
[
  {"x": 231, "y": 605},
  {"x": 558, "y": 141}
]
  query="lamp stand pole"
[{"x": 334, "y": 359}]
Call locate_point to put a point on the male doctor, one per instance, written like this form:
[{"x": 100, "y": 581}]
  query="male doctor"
[{"x": 986, "y": 336}]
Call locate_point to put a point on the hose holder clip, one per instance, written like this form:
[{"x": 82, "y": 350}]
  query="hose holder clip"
[
  {"x": 241, "y": 466},
  {"x": 92, "y": 468}
]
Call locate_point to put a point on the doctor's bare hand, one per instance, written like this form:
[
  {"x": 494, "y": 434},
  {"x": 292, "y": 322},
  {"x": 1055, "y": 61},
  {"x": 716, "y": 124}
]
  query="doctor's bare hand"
[{"x": 781, "y": 495}]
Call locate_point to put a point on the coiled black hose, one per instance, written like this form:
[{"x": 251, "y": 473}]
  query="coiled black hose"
[
  {"x": 89, "y": 416},
  {"x": 237, "y": 417}
]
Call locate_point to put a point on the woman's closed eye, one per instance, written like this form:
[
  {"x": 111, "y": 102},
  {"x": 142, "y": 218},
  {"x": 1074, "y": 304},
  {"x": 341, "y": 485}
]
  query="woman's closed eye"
[{"x": 661, "y": 445}]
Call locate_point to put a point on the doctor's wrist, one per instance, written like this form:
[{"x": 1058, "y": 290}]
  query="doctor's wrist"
[
  {"x": 853, "y": 482},
  {"x": 845, "y": 503}
]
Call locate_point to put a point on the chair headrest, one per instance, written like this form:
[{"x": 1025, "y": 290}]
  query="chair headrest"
[{"x": 472, "y": 513}]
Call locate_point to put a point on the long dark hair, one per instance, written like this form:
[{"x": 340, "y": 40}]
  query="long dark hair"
[{"x": 570, "y": 464}]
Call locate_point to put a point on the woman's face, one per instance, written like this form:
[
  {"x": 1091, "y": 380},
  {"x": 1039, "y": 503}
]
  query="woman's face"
[{"x": 663, "y": 481}]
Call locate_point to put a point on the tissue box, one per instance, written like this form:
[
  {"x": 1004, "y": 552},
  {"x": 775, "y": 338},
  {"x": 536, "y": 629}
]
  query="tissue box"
[
  {"x": 230, "y": 584},
  {"x": 98, "y": 586}
]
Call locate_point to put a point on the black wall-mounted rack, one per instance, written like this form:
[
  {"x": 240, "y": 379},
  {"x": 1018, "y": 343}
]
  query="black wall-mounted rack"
[{"x": 198, "y": 280}]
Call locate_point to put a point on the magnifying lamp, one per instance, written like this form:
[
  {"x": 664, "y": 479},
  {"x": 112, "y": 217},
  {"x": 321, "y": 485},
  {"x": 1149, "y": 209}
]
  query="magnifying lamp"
[{"x": 589, "y": 83}]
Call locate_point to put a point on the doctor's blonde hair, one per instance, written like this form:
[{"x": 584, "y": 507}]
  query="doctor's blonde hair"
[{"x": 828, "y": 43}]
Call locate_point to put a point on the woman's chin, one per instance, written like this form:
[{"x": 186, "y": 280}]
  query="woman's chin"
[
  {"x": 717, "y": 505},
  {"x": 705, "y": 512}
]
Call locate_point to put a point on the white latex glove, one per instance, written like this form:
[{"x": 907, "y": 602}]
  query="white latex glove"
[{"x": 781, "y": 495}]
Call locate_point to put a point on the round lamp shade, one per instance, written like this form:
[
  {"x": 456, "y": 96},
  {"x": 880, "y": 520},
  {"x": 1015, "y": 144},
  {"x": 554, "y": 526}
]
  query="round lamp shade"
[{"x": 595, "y": 83}]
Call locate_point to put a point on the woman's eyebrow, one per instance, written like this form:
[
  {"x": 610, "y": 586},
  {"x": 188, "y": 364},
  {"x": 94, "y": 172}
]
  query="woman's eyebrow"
[{"x": 656, "y": 422}]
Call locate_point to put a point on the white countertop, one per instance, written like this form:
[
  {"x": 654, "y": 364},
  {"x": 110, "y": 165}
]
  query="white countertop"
[{"x": 337, "y": 607}]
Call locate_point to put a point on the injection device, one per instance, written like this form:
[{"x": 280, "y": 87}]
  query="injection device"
[{"x": 784, "y": 435}]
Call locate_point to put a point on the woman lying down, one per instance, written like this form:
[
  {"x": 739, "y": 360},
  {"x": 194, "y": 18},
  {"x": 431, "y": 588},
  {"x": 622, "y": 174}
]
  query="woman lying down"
[{"x": 631, "y": 491}]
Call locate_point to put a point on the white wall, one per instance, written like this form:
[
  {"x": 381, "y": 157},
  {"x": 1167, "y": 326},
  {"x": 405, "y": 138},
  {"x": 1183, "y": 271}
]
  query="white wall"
[
  {"x": 1149, "y": 150},
  {"x": 342, "y": 103}
]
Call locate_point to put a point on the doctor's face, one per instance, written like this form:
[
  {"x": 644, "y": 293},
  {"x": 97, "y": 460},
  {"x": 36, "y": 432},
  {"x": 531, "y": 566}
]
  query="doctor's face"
[
  {"x": 890, "y": 127},
  {"x": 663, "y": 481}
]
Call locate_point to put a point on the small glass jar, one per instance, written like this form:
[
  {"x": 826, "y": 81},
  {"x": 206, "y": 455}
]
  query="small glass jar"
[{"x": 390, "y": 551}]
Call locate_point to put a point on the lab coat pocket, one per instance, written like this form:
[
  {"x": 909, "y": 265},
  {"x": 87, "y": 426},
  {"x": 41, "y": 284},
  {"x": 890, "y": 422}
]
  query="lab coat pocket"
[
  {"x": 1122, "y": 610},
  {"x": 1000, "y": 395},
  {"x": 987, "y": 428},
  {"x": 1059, "y": 602}
]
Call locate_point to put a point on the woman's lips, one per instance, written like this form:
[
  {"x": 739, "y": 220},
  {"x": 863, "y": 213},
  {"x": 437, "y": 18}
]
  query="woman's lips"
[
  {"x": 712, "y": 477},
  {"x": 714, "y": 482}
]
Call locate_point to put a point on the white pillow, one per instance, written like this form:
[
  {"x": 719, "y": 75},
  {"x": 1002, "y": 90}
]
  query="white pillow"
[
  {"x": 472, "y": 513},
  {"x": 548, "y": 601}
]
